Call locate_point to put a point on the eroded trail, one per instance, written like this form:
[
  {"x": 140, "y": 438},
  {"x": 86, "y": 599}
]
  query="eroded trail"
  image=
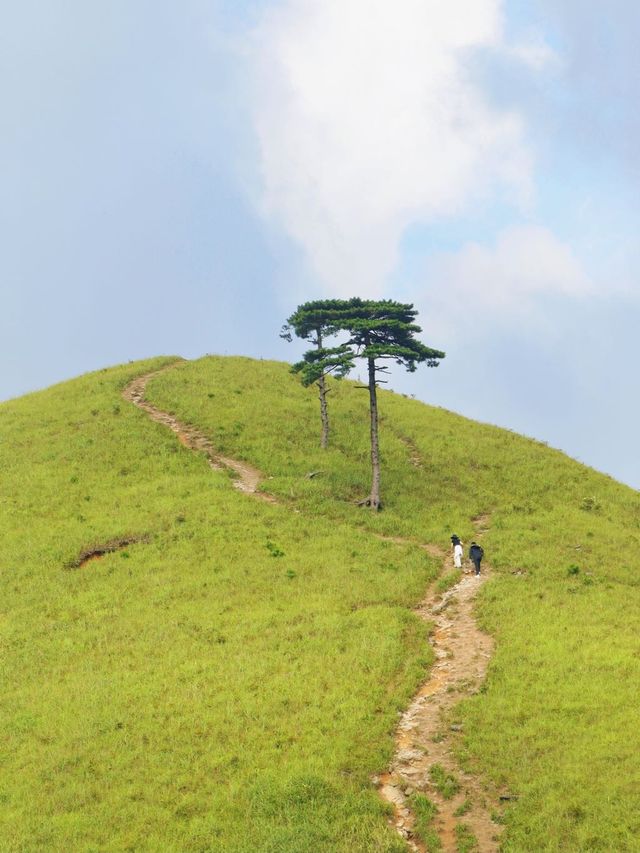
[
  {"x": 425, "y": 735},
  {"x": 425, "y": 738},
  {"x": 247, "y": 479}
]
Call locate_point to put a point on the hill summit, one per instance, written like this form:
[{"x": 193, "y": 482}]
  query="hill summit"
[{"x": 189, "y": 668}]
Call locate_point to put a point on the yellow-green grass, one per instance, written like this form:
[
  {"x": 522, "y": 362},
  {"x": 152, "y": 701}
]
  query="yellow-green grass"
[
  {"x": 198, "y": 693},
  {"x": 557, "y": 725},
  {"x": 425, "y": 813},
  {"x": 230, "y": 684}
]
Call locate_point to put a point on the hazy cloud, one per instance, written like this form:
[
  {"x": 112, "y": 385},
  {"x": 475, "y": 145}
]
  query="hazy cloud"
[
  {"x": 368, "y": 120},
  {"x": 597, "y": 85},
  {"x": 481, "y": 285}
]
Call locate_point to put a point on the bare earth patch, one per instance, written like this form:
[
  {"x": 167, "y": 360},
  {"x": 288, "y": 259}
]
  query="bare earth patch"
[
  {"x": 95, "y": 552},
  {"x": 425, "y": 738}
]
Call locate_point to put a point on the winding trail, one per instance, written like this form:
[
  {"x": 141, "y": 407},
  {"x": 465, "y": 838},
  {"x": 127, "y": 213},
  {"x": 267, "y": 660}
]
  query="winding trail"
[
  {"x": 425, "y": 736},
  {"x": 247, "y": 478}
]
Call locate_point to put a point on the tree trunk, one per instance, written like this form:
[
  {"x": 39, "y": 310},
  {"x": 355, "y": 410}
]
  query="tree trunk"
[
  {"x": 324, "y": 413},
  {"x": 374, "y": 497},
  {"x": 322, "y": 388}
]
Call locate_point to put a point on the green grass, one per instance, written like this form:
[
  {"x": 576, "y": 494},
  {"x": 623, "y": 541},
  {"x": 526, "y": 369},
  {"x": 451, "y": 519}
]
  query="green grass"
[
  {"x": 231, "y": 684},
  {"x": 463, "y": 808},
  {"x": 558, "y": 722},
  {"x": 425, "y": 812},
  {"x": 448, "y": 580},
  {"x": 446, "y": 784},
  {"x": 466, "y": 842}
]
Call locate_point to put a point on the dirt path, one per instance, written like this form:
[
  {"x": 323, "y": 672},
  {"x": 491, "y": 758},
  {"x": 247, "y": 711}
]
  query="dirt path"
[
  {"x": 426, "y": 735},
  {"x": 247, "y": 479}
]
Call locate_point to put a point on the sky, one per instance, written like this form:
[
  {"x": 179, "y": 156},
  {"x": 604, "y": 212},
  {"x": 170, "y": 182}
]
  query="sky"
[{"x": 175, "y": 178}]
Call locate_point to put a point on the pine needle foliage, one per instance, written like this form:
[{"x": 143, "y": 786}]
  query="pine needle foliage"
[
  {"x": 377, "y": 330},
  {"x": 383, "y": 330},
  {"x": 313, "y": 322}
]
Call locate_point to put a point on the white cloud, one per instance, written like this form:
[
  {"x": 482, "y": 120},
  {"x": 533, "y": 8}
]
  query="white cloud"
[
  {"x": 367, "y": 121},
  {"x": 481, "y": 284}
]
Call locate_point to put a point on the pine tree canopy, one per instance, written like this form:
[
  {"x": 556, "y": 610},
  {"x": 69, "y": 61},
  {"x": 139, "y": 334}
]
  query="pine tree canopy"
[
  {"x": 384, "y": 329},
  {"x": 324, "y": 315},
  {"x": 377, "y": 329},
  {"x": 313, "y": 322},
  {"x": 318, "y": 362}
]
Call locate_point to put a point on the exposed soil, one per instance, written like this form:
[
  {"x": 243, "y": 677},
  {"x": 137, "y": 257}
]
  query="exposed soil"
[
  {"x": 425, "y": 737},
  {"x": 95, "y": 552},
  {"x": 247, "y": 478}
]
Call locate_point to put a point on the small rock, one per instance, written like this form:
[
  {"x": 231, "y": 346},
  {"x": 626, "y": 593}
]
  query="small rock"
[
  {"x": 456, "y": 727},
  {"x": 407, "y": 755}
]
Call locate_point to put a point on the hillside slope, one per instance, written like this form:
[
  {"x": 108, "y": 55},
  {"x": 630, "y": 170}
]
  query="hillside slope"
[
  {"x": 559, "y": 724},
  {"x": 232, "y": 681}
]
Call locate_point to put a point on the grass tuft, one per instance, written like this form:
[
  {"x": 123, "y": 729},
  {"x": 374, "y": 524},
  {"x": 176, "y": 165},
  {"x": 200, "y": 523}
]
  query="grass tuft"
[
  {"x": 425, "y": 811},
  {"x": 466, "y": 842},
  {"x": 445, "y": 783}
]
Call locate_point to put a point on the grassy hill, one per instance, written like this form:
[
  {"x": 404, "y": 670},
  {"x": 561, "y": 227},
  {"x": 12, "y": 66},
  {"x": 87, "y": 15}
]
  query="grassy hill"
[{"x": 231, "y": 680}]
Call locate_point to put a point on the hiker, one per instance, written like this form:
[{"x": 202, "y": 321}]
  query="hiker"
[
  {"x": 476, "y": 553},
  {"x": 457, "y": 554}
]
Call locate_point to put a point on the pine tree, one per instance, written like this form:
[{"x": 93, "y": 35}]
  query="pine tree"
[
  {"x": 314, "y": 322},
  {"x": 383, "y": 330},
  {"x": 377, "y": 330}
]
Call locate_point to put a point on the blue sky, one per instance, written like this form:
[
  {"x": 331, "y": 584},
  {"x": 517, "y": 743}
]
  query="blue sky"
[{"x": 177, "y": 177}]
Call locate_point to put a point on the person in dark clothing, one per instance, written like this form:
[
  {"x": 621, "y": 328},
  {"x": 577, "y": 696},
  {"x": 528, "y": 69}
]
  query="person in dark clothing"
[{"x": 476, "y": 554}]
